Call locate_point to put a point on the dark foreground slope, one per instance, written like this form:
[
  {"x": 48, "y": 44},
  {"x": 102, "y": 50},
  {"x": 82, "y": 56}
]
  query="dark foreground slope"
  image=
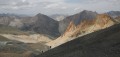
[{"x": 103, "y": 43}]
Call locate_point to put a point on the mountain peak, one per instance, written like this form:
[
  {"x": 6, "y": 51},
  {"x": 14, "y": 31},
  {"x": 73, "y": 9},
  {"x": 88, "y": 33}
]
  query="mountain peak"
[
  {"x": 40, "y": 14},
  {"x": 45, "y": 25},
  {"x": 84, "y": 15},
  {"x": 77, "y": 18},
  {"x": 86, "y": 11}
]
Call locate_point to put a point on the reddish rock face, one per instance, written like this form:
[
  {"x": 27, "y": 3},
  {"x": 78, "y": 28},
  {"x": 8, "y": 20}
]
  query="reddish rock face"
[{"x": 86, "y": 26}]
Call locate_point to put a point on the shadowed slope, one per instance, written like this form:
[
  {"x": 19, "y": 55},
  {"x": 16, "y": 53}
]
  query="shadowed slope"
[
  {"x": 45, "y": 25},
  {"x": 103, "y": 43}
]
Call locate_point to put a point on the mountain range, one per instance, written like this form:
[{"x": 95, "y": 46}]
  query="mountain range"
[
  {"x": 40, "y": 24},
  {"x": 43, "y": 24},
  {"x": 60, "y": 35},
  {"x": 86, "y": 26}
]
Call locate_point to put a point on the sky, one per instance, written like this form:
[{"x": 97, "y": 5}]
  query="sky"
[{"x": 49, "y": 7}]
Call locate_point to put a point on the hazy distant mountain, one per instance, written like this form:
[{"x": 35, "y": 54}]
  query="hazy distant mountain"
[
  {"x": 58, "y": 17},
  {"x": 5, "y": 20},
  {"x": 114, "y": 14},
  {"x": 13, "y": 20},
  {"x": 40, "y": 23},
  {"x": 15, "y": 15},
  {"x": 77, "y": 18}
]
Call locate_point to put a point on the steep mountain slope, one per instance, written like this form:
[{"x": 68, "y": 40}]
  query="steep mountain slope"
[
  {"x": 85, "y": 27},
  {"x": 103, "y": 43},
  {"x": 76, "y": 19}
]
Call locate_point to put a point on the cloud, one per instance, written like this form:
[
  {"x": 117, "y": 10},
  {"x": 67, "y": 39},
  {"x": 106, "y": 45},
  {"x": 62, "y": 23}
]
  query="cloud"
[
  {"x": 76, "y": 9},
  {"x": 73, "y": 1},
  {"x": 57, "y": 6},
  {"x": 64, "y": 7},
  {"x": 51, "y": 6},
  {"x": 23, "y": 0},
  {"x": 15, "y": 5}
]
